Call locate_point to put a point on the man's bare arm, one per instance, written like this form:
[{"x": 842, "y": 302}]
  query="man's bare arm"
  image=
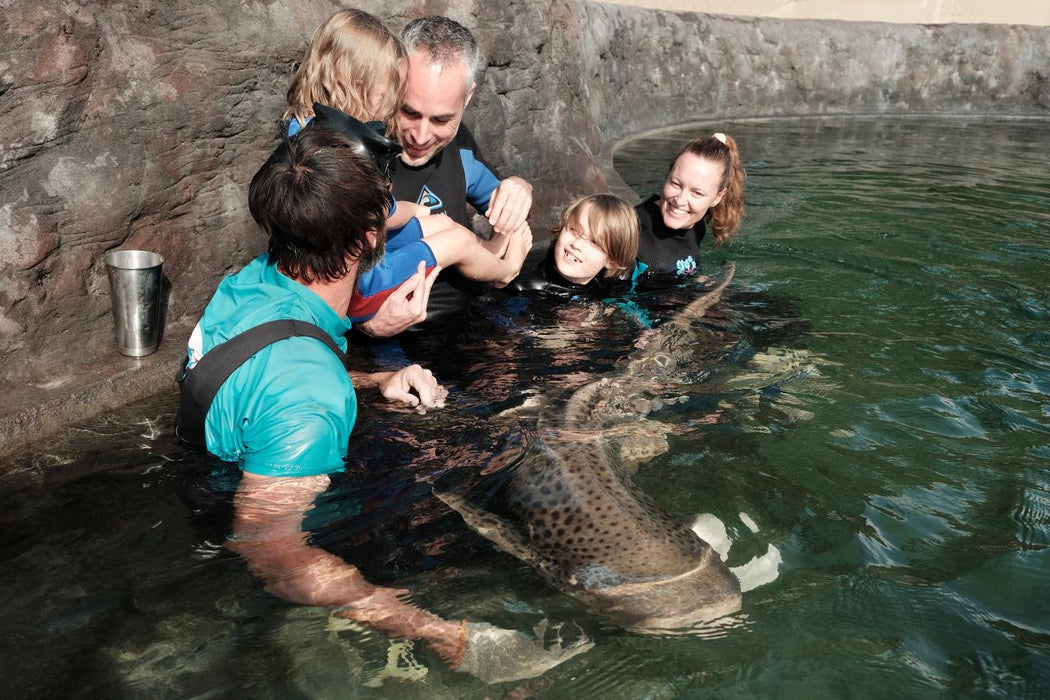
[
  {"x": 412, "y": 385},
  {"x": 268, "y": 535}
]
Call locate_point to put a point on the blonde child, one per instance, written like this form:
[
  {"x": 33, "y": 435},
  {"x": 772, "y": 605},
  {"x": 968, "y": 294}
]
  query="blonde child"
[
  {"x": 353, "y": 63},
  {"x": 594, "y": 247},
  {"x": 356, "y": 65}
]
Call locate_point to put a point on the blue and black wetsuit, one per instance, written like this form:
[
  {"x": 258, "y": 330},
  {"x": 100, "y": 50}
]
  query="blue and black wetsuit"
[{"x": 455, "y": 176}]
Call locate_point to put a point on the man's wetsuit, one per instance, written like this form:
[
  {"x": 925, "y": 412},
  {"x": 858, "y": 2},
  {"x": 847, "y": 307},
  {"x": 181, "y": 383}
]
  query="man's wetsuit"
[
  {"x": 666, "y": 250},
  {"x": 455, "y": 176}
]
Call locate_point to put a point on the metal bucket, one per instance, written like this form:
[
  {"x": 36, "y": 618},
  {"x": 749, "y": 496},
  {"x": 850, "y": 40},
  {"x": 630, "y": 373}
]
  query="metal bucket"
[{"x": 135, "y": 286}]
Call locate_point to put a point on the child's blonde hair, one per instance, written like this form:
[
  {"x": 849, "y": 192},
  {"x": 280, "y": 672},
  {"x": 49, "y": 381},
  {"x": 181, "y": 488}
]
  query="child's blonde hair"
[
  {"x": 613, "y": 226},
  {"x": 348, "y": 58}
]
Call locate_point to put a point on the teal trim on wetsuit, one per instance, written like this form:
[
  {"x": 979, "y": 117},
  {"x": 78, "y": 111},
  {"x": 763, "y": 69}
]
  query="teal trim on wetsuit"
[
  {"x": 638, "y": 271},
  {"x": 289, "y": 410}
]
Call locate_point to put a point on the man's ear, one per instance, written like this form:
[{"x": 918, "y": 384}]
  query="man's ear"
[{"x": 470, "y": 93}]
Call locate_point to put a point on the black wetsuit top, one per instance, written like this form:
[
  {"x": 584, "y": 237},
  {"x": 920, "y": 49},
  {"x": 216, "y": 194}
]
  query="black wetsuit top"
[
  {"x": 546, "y": 279},
  {"x": 665, "y": 250},
  {"x": 455, "y": 176}
]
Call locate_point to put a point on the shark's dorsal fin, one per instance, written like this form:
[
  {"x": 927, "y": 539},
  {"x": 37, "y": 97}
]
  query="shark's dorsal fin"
[{"x": 655, "y": 359}]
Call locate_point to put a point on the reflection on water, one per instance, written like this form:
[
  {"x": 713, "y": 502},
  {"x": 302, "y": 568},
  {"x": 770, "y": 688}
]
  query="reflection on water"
[{"x": 880, "y": 416}]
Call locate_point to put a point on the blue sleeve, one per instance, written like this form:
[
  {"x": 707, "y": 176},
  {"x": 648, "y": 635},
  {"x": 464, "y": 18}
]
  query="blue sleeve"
[
  {"x": 293, "y": 126},
  {"x": 406, "y": 235},
  {"x": 481, "y": 181}
]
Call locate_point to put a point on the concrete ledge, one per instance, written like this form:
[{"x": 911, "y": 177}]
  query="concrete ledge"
[
  {"x": 111, "y": 380},
  {"x": 1034, "y": 12}
]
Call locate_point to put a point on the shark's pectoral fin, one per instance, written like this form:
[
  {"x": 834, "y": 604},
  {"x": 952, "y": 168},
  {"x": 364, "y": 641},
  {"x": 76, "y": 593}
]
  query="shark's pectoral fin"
[
  {"x": 713, "y": 531},
  {"x": 497, "y": 530}
]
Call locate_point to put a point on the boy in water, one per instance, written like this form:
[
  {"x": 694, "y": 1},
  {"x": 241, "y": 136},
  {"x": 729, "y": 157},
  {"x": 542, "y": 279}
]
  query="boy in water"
[{"x": 593, "y": 250}]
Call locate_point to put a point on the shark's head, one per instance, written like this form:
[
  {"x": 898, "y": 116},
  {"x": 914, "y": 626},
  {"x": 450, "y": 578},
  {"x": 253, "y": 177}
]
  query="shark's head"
[
  {"x": 701, "y": 595},
  {"x": 653, "y": 366}
]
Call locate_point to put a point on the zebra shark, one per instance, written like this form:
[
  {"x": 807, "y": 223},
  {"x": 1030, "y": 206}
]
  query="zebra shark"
[{"x": 569, "y": 508}]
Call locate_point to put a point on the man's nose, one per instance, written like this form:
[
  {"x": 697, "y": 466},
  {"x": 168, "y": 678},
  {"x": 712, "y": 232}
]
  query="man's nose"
[{"x": 420, "y": 131}]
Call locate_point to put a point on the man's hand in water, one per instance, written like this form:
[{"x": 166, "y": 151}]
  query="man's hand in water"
[
  {"x": 415, "y": 386},
  {"x": 509, "y": 205},
  {"x": 405, "y": 307},
  {"x": 496, "y": 655},
  {"x": 412, "y": 385}
]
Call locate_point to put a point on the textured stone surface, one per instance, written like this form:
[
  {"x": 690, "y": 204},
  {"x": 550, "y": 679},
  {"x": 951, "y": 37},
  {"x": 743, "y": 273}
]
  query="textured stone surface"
[{"x": 140, "y": 125}]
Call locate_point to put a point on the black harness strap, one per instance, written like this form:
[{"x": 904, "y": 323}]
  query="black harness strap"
[{"x": 198, "y": 386}]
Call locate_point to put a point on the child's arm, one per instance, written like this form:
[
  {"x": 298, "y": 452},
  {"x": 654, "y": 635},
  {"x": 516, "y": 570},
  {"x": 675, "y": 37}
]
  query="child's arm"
[
  {"x": 475, "y": 258},
  {"x": 403, "y": 212}
]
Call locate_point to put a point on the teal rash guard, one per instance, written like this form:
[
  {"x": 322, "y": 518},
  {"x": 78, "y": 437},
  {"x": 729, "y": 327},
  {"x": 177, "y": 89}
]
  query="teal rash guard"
[{"x": 288, "y": 410}]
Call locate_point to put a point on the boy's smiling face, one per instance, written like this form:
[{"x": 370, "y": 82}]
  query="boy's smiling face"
[{"x": 576, "y": 256}]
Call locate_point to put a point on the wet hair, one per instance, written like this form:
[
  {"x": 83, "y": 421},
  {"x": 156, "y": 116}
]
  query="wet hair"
[
  {"x": 613, "y": 225},
  {"x": 348, "y": 57},
  {"x": 318, "y": 200},
  {"x": 445, "y": 41},
  {"x": 726, "y": 215}
]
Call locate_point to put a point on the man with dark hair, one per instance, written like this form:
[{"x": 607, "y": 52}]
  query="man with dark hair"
[
  {"x": 441, "y": 166},
  {"x": 323, "y": 208},
  {"x": 320, "y": 209},
  {"x": 266, "y": 387},
  {"x": 285, "y": 413}
]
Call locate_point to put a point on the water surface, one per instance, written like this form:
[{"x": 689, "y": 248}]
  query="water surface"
[{"x": 883, "y": 417}]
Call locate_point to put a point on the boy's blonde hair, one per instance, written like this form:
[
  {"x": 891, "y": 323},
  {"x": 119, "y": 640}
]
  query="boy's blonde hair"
[
  {"x": 348, "y": 58},
  {"x": 613, "y": 226}
]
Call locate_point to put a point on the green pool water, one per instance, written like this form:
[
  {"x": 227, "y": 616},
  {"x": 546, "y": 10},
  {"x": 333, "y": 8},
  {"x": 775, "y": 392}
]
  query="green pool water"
[
  {"x": 910, "y": 494},
  {"x": 893, "y": 443}
]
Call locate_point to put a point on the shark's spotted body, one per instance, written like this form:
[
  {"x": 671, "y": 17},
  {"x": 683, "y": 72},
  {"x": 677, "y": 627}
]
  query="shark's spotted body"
[{"x": 570, "y": 509}]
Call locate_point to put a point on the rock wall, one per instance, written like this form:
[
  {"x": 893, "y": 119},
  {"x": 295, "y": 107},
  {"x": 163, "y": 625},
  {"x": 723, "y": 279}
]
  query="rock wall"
[{"x": 140, "y": 124}]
